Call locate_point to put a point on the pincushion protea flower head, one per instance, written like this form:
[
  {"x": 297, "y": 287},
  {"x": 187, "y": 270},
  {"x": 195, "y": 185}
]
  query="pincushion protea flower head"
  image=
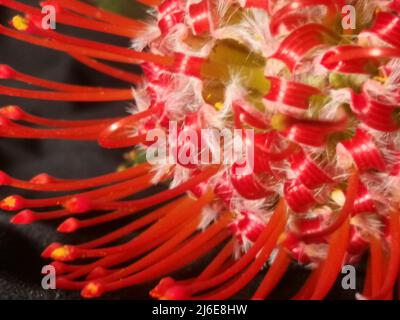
[{"x": 323, "y": 102}]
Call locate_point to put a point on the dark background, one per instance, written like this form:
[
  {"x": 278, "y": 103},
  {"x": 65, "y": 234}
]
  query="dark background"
[{"x": 20, "y": 246}]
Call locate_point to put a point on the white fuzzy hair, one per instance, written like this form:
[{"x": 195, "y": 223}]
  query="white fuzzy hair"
[
  {"x": 181, "y": 175},
  {"x": 368, "y": 225},
  {"x": 183, "y": 95},
  {"x": 234, "y": 92},
  {"x": 366, "y": 9},
  {"x": 148, "y": 34},
  {"x": 386, "y": 92},
  {"x": 208, "y": 215},
  {"x": 252, "y": 31},
  {"x": 337, "y": 98}
]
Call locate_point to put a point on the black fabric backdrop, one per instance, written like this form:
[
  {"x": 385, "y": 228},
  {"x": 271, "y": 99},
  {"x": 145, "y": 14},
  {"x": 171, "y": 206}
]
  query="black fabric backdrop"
[{"x": 20, "y": 246}]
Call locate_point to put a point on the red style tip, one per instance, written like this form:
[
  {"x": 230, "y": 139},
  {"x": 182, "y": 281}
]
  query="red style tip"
[
  {"x": 12, "y": 203},
  {"x": 42, "y": 179},
  {"x": 162, "y": 287},
  {"x": 68, "y": 226},
  {"x": 11, "y": 112},
  {"x": 28, "y": 24},
  {"x": 79, "y": 204},
  {"x": 47, "y": 252},
  {"x": 24, "y": 217},
  {"x": 92, "y": 290},
  {"x": 6, "y": 72},
  {"x": 4, "y": 179},
  {"x": 167, "y": 289}
]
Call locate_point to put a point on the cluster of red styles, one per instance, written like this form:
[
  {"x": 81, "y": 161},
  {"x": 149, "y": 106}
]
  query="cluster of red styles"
[{"x": 323, "y": 101}]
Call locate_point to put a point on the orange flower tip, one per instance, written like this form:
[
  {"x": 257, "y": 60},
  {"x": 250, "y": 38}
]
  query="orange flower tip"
[
  {"x": 11, "y": 112},
  {"x": 12, "y": 203},
  {"x": 59, "y": 267},
  {"x": 24, "y": 217},
  {"x": 79, "y": 204},
  {"x": 282, "y": 238},
  {"x": 6, "y": 72},
  {"x": 97, "y": 273},
  {"x": 42, "y": 179},
  {"x": 50, "y": 248},
  {"x": 92, "y": 290},
  {"x": 68, "y": 226},
  {"x": 167, "y": 289},
  {"x": 162, "y": 287},
  {"x": 4, "y": 179},
  {"x": 64, "y": 253}
]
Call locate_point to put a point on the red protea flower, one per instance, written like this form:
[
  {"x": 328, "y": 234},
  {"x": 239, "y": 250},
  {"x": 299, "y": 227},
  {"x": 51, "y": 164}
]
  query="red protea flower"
[{"x": 324, "y": 106}]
